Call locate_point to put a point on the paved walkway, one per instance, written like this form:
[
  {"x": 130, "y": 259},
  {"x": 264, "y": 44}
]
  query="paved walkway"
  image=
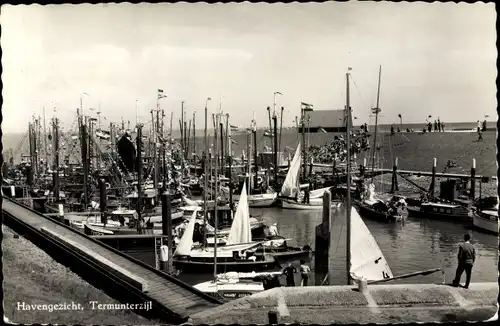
[{"x": 344, "y": 304}]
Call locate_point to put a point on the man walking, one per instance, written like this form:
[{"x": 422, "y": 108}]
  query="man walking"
[
  {"x": 289, "y": 272},
  {"x": 466, "y": 258},
  {"x": 304, "y": 272}
]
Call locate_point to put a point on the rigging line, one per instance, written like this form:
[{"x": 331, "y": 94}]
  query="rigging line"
[{"x": 359, "y": 92}]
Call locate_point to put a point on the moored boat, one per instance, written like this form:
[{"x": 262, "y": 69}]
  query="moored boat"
[
  {"x": 237, "y": 255},
  {"x": 486, "y": 221},
  {"x": 232, "y": 285},
  {"x": 443, "y": 211}
]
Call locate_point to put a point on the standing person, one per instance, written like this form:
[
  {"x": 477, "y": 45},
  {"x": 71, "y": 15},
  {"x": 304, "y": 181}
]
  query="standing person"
[
  {"x": 439, "y": 125},
  {"x": 478, "y": 126},
  {"x": 304, "y": 272},
  {"x": 484, "y": 125},
  {"x": 273, "y": 230},
  {"x": 466, "y": 258},
  {"x": 442, "y": 126},
  {"x": 435, "y": 126},
  {"x": 289, "y": 272}
]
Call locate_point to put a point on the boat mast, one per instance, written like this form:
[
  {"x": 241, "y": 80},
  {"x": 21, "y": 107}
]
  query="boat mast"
[
  {"x": 45, "y": 141},
  {"x": 376, "y": 110},
  {"x": 216, "y": 151},
  {"x": 348, "y": 205},
  {"x": 229, "y": 161},
  {"x": 205, "y": 177}
]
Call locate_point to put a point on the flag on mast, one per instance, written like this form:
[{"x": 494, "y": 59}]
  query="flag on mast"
[{"x": 160, "y": 94}]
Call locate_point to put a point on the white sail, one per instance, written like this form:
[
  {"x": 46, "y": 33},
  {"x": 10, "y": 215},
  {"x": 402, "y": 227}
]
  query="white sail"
[
  {"x": 291, "y": 184},
  {"x": 184, "y": 247},
  {"x": 190, "y": 202},
  {"x": 367, "y": 260},
  {"x": 318, "y": 192},
  {"x": 240, "y": 228}
]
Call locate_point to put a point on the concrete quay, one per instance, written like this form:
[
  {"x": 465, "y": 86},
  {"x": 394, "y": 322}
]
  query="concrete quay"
[{"x": 382, "y": 303}]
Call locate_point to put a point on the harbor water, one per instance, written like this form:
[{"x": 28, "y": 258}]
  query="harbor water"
[{"x": 417, "y": 245}]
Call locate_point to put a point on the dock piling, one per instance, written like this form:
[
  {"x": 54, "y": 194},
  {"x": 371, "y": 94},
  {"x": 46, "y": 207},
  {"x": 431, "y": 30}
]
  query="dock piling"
[
  {"x": 322, "y": 244},
  {"x": 394, "y": 183},
  {"x": 433, "y": 179},
  {"x": 166, "y": 219},
  {"x": 61, "y": 212},
  {"x": 55, "y": 178},
  {"x": 473, "y": 179},
  {"x": 102, "y": 201}
]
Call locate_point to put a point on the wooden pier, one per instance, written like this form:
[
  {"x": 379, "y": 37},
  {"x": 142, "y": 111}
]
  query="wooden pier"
[{"x": 125, "y": 278}]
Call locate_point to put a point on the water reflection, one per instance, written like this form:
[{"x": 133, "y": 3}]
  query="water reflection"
[{"x": 415, "y": 245}]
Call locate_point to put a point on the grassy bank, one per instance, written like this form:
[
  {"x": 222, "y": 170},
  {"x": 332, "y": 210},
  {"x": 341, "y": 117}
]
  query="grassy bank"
[{"x": 33, "y": 277}]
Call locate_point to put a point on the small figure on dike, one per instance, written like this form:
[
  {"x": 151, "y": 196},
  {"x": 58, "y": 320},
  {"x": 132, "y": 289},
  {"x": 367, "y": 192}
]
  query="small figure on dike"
[{"x": 466, "y": 258}]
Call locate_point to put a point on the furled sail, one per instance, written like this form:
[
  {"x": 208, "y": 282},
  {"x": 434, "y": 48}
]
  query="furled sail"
[
  {"x": 291, "y": 185},
  {"x": 240, "y": 229},
  {"x": 186, "y": 242},
  {"x": 367, "y": 260}
]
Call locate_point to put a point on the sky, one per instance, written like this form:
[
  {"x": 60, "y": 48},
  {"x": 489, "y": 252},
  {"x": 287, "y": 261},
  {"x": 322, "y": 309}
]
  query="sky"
[{"x": 437, "y": 59}]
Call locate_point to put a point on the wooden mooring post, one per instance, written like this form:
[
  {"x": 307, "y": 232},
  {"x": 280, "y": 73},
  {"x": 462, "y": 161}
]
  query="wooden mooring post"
[
  {"x": 394, "y": 183},
  {"x": 433, "y": 179},
  {"x": 322, "y": 243},
  {"x": 102, "y": 201},
  {"x": 473, "y": 179},
  {"x": 166, "y": 220}
]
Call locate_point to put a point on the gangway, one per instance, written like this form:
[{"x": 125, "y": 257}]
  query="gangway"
[{"x": 127, "y": 279}]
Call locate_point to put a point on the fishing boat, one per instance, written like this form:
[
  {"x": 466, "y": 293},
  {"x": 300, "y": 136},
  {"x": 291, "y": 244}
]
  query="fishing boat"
[
  {"x": 237, "y": 255},
  {"x": 290, "y": 196},
  {"x": 442, "y": 211},
  {"x": 486, "y": 220},
  {"x": 376, "y": 209},
  {"x": 232, "y": 285}
]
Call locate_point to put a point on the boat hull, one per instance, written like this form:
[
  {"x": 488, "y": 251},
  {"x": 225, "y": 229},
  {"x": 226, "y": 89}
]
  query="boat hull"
[
  {"x": 416, "y": 212},
  {"x": 484, "y": 224},
  {"x": 192, "y": 266},
  {"x": 314, "y": 204},
  {"x": 368, "y": 212}
]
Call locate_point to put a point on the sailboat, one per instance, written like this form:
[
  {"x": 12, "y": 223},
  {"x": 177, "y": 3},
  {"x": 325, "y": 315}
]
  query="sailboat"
[
  {"x": 290, "y": 191},
  {"x": 275, "y": 246},
  {"x": 239, "y": 253},
  {"x": 365, "y": 260}
]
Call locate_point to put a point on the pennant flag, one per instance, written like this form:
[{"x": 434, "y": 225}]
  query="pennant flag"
[
  {"x": 349, "y": 68},
  {"x": 430, "y": 116},
  {"x": 233, "y": 127},
  {"x": 306, "y": 106},
  {"x": 486, "y": 116},
  {"x": 160, "y": 94},
  {"x": 399, "y": 116},
  {"x": 278, "y": 93}
]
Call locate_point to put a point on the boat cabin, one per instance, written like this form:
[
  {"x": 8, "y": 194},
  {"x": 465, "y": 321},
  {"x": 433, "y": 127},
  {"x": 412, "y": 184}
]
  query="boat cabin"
[{"x": 444, "y": 209}]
